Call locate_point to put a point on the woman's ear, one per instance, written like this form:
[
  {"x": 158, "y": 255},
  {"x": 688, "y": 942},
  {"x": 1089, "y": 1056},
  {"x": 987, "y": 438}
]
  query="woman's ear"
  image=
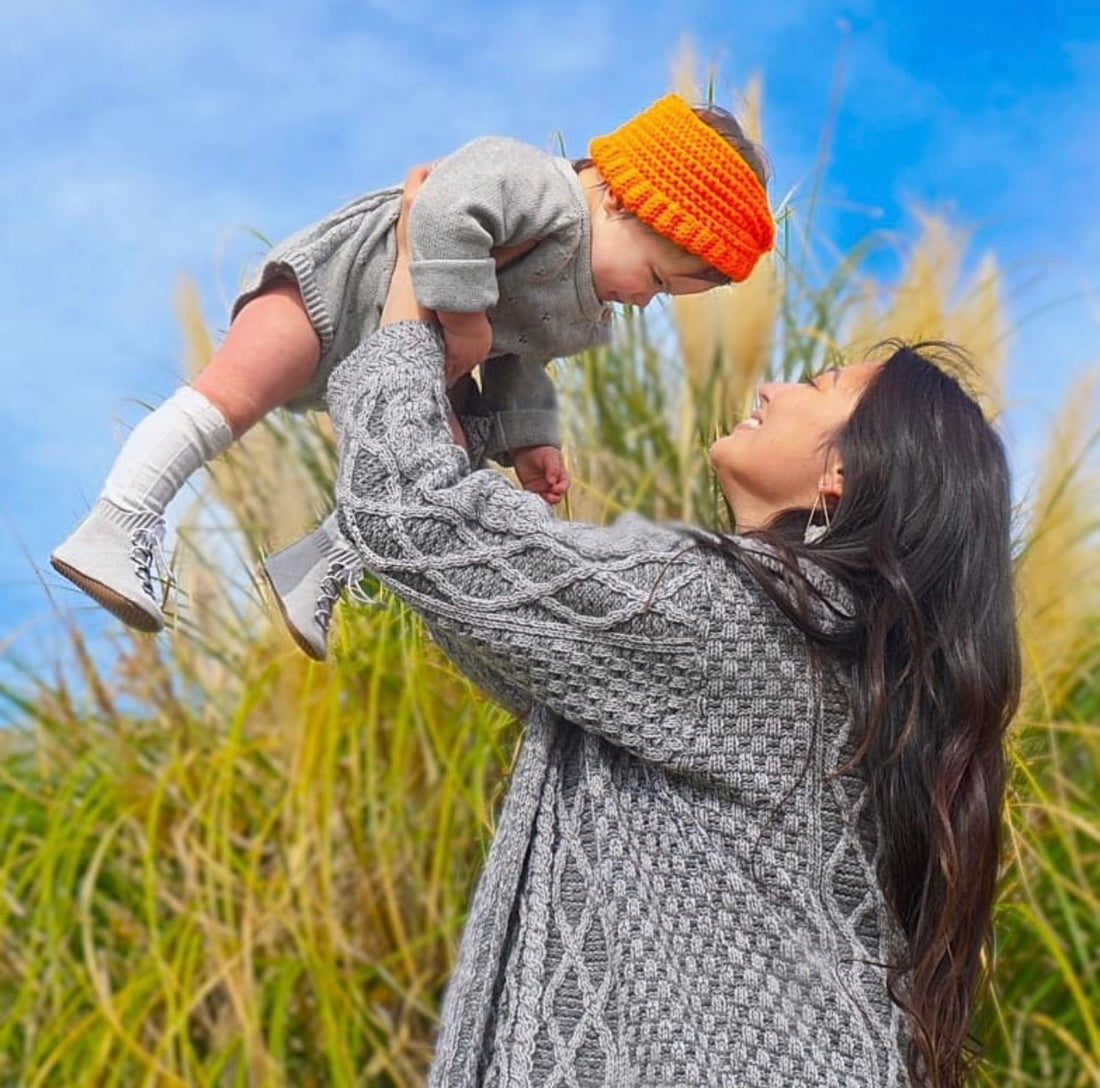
[{"x": 832, "y": 482}]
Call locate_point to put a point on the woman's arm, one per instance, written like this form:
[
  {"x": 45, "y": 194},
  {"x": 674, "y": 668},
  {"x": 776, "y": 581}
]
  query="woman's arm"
[
  {"x": 401, "y": 302},
  {"x": 605, "y": 626}
]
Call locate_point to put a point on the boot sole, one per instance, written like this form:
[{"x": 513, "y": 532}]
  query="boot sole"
[
  {"x": 300, "y": 640},
  {"x": 121, "y": 607}
]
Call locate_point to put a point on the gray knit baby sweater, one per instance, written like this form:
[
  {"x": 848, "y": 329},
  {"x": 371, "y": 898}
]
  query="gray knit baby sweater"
[
  {"x": 491, "y": 192},
  {"x": 679, "y": 891}
]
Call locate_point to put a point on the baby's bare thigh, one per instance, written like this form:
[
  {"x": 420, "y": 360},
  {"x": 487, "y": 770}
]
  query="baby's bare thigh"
[{"x": 268, "y": 356}]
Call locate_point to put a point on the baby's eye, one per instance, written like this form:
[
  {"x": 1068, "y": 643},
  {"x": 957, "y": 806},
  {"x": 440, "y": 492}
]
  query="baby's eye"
[{"x": 658, "y": 282}]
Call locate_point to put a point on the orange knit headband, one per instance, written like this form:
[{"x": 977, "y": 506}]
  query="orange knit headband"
[{"x": 674, "y": 172}]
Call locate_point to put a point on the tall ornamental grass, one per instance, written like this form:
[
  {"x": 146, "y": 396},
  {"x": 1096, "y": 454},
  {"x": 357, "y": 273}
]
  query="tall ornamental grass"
[{"x": 222, "y": 864}]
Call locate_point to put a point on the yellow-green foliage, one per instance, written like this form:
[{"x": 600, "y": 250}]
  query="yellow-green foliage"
[
  {"x": 221, "y": 864},
  {"x": 256, "y": 880}
]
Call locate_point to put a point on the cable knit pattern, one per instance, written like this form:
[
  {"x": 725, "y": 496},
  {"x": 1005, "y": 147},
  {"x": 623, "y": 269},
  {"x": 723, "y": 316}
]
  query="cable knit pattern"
[{"x": 680, "y": 891}]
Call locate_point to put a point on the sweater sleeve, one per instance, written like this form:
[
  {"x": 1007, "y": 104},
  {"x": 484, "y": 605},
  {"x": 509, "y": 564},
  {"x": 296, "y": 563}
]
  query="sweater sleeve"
[
  {"x": 523, "y": 404},
  {"x": 606, "y": 627},
  {"x": 490, "y": 192}
]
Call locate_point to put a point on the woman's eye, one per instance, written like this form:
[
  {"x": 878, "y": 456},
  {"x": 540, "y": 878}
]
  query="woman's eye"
[{"x": 810, "y": 379}]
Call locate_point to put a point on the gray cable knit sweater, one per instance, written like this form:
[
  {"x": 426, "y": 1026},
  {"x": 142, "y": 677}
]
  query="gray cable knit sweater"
[{"x": 679, "y": 892}]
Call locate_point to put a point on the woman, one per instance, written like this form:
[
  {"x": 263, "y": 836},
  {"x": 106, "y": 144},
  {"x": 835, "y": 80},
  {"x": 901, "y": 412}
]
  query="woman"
[{"x": 752, "y": 834}]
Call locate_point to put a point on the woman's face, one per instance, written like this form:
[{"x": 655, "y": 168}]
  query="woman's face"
[{"x": 782, "y": 455}]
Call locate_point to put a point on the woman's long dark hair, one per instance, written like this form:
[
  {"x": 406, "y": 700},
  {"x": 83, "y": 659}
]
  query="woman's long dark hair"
[{"x": 921, "y": 538}]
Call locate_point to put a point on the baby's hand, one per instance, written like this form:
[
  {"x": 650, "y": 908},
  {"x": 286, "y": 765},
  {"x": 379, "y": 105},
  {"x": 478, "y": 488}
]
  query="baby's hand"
[
  {"x": 468, "y": 339},
  {"x": 541, "y": 469}
]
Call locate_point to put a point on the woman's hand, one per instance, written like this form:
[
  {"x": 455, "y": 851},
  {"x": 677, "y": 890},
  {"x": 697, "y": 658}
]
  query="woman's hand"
[
  {"x": 468, "y": 339},
  {"x": 401, "y": 304}
]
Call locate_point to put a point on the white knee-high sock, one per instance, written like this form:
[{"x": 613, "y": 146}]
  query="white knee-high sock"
[{"x": 164, "y": 449}]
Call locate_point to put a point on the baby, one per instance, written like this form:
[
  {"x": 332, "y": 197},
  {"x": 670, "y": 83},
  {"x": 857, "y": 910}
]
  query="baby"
[{"x": 520, "y": 254}]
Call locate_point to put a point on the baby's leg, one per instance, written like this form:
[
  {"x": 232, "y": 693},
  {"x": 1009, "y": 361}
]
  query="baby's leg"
[{"x": 269, "y": 354}]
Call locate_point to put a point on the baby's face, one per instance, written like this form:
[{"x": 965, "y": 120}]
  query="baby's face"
[{"x": 632, "y": 263}]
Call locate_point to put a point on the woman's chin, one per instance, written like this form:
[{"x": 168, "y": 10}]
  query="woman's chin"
[
  {"x": 723, "y": 452},
  {"x": 721, "y": 477}
]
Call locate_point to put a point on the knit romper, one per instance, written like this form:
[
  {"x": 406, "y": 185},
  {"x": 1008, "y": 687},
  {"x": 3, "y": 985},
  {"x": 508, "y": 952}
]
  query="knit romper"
[{"x": 491, "y": 192}]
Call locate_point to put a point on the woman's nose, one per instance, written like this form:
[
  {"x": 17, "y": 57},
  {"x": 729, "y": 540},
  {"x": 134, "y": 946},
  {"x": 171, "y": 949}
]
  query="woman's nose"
[{"x": 765, "y": 391}]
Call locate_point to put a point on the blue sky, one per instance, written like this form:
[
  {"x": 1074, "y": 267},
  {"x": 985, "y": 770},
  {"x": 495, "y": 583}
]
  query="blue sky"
[{"x": 142, "y": 141}]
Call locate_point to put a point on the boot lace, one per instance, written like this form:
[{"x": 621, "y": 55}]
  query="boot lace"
[
  {"x": 341, "y": 574},
  {"x": 147, "y": 553}
]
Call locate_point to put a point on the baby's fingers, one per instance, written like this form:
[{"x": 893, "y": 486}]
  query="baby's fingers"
[{"x": 559, "y": 484}]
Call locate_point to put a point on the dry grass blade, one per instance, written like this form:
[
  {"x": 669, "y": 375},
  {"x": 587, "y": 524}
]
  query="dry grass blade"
[
  {"x": 1059, "y": 569},
  {"x": 931, "y": 299}
]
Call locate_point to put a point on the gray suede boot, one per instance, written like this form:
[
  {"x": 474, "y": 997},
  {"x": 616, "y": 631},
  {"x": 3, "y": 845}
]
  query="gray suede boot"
[
  {"x": 110, "y": 555},
  {"x": 112, "y": 552},
  {"x": 306, "y": 580}
]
